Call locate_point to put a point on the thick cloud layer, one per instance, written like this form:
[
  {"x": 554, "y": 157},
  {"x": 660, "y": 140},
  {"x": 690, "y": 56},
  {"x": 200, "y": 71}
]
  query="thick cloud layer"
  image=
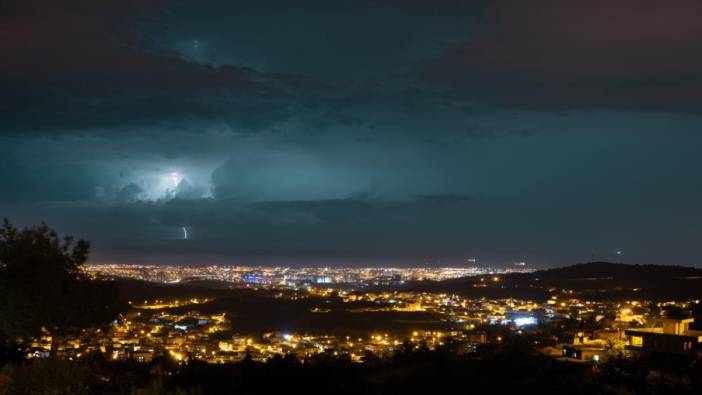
[
  {"x": 366, "y": 132},
  {"x": 546, "y": 54}
]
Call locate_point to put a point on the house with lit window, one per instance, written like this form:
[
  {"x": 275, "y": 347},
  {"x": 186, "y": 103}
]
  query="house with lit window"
[
  {"x": 673, "y": 337},
  {"x": 582, "y": 353}
]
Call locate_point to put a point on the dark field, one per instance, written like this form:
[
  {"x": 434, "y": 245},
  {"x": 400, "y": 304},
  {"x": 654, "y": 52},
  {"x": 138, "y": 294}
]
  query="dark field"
[{"x": 253, "y": 313}]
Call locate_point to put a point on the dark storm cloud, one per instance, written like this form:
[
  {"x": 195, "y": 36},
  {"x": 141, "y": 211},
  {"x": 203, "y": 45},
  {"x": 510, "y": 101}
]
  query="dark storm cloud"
[
  {"x": 80, "y": 65},
  {"x": 36, "y": 182},
  {"x": 290, "y": 231},
  {"x": 130, "y": 192},
  {"x": 361, "y": 207},
  {"x": 447, "y": 199},
  {"x": 360, "y": 231},
  {"x": 546, "y": 54},
  {"x": 354, "y": 131}
]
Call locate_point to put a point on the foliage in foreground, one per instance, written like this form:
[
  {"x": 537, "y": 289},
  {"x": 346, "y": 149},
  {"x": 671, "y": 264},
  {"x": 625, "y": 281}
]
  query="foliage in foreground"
[{"x": 43, "y": 289}]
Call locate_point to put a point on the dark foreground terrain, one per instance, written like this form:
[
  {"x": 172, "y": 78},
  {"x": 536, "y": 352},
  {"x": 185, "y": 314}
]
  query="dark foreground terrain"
[{"x": 510, "y": 369}]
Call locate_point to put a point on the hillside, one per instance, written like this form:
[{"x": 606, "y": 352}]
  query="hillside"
[{"x": 593, "y": 280}]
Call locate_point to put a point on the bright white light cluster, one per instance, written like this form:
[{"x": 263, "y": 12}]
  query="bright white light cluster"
[{"x": 525, "y": 321}]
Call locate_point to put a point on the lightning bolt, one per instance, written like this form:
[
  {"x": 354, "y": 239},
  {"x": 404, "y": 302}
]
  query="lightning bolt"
[{"x": 185, "y": 233}]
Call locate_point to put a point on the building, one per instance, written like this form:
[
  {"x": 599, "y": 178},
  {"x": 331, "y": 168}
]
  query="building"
[
  {"x": 583, "y": 353},
  {"x": 673, "y": 337}
]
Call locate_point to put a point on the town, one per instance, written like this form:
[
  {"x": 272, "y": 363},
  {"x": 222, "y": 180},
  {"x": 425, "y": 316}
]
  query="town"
[
  {"x": 290, "y": 276},
  {"x": 563, "y": 326}
]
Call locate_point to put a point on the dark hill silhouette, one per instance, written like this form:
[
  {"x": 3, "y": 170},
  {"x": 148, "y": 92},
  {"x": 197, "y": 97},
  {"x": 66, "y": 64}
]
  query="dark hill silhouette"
[
  {"x": 634, "y": 274},
  {"x": 138, "y": 290},
  {"x": 593, "y": 280}
]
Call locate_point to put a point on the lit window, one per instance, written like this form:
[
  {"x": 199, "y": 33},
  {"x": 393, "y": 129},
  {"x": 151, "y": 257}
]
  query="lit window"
[{"x": 637, "y": 341}]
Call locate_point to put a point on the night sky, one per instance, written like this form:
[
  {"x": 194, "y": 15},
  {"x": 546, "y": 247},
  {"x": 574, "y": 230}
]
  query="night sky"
[{"x": 361, "y": 132}]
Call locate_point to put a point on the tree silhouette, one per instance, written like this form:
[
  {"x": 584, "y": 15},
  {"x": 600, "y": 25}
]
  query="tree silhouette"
[{"x": 43, "y": 289}]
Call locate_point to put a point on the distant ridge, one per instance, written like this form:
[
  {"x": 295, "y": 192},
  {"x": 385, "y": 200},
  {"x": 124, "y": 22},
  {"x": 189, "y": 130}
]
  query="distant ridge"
[
  {"x": 619, "y": 271},
  {"x": 591, "y": 280}
]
